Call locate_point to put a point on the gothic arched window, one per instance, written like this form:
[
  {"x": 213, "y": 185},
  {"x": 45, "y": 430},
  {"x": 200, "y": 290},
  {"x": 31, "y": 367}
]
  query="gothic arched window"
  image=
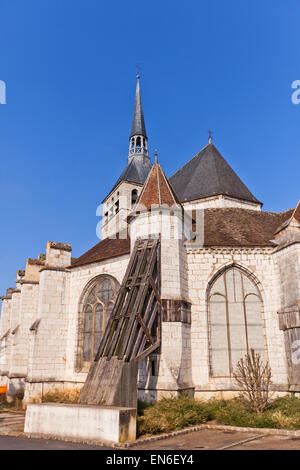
[
  {"x": 97, "y": 305},
  {"x": 234, "y": 319}
]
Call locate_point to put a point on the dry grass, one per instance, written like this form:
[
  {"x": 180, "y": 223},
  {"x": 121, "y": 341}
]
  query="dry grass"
[{"x": 66, "y": 395}]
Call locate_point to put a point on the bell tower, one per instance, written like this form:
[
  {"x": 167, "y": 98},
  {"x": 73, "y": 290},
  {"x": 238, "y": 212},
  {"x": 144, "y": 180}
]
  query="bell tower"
[
  {"x": 138, "y": 141},
  {"x": 121, "y": 199}
]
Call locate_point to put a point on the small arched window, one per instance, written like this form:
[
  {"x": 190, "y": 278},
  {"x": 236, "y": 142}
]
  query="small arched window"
[
  {"x": 134, "y": 195},
  {"x": 97, "y": 305},
  {"x": 138, "y": 142},
  {"x": 234, "y": 320}
]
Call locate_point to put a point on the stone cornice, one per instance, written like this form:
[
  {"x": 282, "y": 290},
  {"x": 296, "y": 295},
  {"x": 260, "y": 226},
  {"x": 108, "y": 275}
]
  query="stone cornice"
[
  {"x": 50, "y": 379},
  {"x": 54, "y": 268},
  {"x": 16, "y": 291},
  {"x": 16, "y": 376},
  {"x": 34, "y": 261},
  {"x": 229, "y": 249},
  {"x": 60, "y": 246},
  {"x": 25, "y": 281}
]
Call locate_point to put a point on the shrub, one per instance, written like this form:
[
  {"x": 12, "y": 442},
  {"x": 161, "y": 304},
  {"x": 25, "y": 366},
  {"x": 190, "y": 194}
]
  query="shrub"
[
  {"x": 176, "y": 413},
  {"x": 170, "y": 414},
  {"x": 255, "y": 378}
]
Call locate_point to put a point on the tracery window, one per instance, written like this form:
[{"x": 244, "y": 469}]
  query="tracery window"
[
  {"x": 97, "y": 306},
  {"x": 234, "y": 319}
]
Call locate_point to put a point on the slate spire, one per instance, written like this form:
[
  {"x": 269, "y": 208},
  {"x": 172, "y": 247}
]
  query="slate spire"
[
  {"x": 138, "y": 121},
  {"x": 138, "y": 141},
  {"x": 138, "y": 162}
]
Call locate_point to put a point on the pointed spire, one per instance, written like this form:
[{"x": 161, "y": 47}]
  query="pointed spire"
[
  {"x": 138, "y": 122},
  {"x": 138, "y": 141}
]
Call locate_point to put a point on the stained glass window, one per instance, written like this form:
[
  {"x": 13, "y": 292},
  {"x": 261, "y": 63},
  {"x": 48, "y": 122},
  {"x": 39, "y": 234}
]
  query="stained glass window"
[
  {"x": 235, "y": 321},
  {"x": 97, "y": 307}
]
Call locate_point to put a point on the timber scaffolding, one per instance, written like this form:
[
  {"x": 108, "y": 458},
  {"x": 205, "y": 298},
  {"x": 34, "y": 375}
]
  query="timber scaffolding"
[{"x": 132, "y": 333}]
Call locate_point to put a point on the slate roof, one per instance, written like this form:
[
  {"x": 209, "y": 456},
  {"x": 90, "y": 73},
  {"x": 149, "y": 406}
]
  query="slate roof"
[
  {"x": 136, "y": 171},
  {"x": 138, "y": 122},
  {"x": 208, "y": 174}
]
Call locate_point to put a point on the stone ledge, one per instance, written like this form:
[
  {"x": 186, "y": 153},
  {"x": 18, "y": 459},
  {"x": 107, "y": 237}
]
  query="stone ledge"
[
  {"x": 24, "y": 281},
  {"x": 53, "y": 268}
]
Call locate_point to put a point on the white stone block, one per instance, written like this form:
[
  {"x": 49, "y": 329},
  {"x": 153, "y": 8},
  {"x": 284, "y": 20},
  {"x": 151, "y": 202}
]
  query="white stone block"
[{"x": 113, "y": 424}]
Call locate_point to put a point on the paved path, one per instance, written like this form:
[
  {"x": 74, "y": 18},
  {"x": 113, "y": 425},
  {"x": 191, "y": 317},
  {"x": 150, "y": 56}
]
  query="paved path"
[
  {"x": 23, "y": 443},
  {"x": 11, "y": 422},
  {"x": 12, "y": 437},
  {"x": 213, "y": 439}
]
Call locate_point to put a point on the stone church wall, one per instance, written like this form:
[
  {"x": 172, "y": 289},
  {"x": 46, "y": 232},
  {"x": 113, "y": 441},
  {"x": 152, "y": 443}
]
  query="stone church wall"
[{"x": 203, "y": 264}]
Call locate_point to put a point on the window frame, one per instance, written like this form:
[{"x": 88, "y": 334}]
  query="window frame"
[
  {"x": 209, "y": 295},
  {"x": 81, "y": 364}
]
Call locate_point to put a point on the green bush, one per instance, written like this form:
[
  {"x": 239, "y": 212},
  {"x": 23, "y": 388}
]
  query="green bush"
[
  {"x": 176, "y": 413},
  {"x": 170, "y": 414}
]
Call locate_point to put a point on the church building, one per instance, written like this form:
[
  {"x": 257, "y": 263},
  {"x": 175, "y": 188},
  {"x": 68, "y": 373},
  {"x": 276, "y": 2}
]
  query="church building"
[{"x": 230, "y": 282}]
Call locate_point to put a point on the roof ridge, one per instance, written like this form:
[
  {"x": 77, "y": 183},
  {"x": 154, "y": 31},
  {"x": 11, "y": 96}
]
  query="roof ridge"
[
  {"x": 173, "y": 193},
  {"x": 294, "y": 216},
  {"x": 158, "y": 183}
]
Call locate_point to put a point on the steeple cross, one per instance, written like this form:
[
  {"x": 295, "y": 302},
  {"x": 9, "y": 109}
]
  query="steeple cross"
[{"x": 138, "y": 69}]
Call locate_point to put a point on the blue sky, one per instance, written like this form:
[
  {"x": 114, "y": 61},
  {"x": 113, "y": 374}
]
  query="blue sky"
[{"x": 69, "y": 68}]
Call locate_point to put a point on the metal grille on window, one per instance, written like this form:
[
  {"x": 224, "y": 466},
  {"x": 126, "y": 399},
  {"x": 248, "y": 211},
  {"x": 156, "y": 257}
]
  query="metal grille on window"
[
  {"x": 235, "y": 321},
  {"x": 98, "y": 305}
]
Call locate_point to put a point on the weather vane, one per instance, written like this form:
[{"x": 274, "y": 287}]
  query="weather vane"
[
  {"x": 138, "y": 69},
  {"x": 210, "y": 136}
]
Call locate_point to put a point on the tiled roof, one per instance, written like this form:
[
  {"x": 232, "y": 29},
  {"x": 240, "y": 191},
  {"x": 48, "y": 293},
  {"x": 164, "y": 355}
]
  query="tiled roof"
[
  {"x": 296, "y": 213},
  {"x": 156, "y": 191},
  {"x": 241, "y": 227},
  {"x": 294, "y": 216},
  {"x": 222, "y": 227},
  {"x": 106, "y": 249}
]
